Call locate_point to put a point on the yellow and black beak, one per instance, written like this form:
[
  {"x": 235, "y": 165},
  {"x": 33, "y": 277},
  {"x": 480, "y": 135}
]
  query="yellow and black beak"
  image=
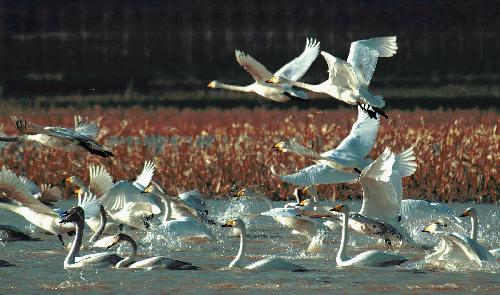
[
  {"x": 427, "y": 229},
  {"x": 302, "y": 203},
  {"x": 149, "y": 189},
  {"x": 77, "y": 191},
  {"x": 240, "y": 193},
  {"x": 229, "y": 223},
  {"x": 338, "y": 208},
  {"x": 274, "y": 79},
  {"x": 211, "y": 85},
  {"x": 278, "y": 146},
  {"x": 465, "y": 214},
  {"x": 69, "y": 180}
]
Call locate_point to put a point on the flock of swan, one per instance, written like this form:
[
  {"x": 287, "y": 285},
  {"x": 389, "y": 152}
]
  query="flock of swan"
[{"x": 107, "y": 208}]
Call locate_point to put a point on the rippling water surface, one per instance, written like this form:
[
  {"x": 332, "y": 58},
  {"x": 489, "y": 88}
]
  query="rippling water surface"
[{"x": 39, "y": 265}]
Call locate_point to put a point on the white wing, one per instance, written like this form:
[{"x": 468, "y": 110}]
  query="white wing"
[
  {"x": 253, "y": 67},
  {"x": 89, "y": 204},
  {"x": 89, "y": 129},
  {"x": 404, "y": 165},
  {"x": 100, "y": 181},
  {"x": 360, "y": 140},
  {"x": 340, "y": 73},
  {"x": 146, "y": 175},
  {"x": 380, "y": 199},
  {"x": 363, "y": 55},
  {"x": 295, "y": 69},
  {"x": 34, "y": 188},
  {"x": 317, "y": 174}
]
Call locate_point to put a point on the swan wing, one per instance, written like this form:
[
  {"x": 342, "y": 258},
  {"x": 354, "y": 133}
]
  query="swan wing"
[
  {"x": 380, "y": 199},
  {"x": 270, "y": 264},
  {"x": 50, "y": 193},
  {"x": 100, "y": 180},
  {"x": 253, "y": 67},
  {"x": 143, "y": 179},
  {"x": 340, "y": 73},
  {"x": 295, "y": 69},
  {"x": 26, "y": 127},
  {"x": 11, "y": 188},
  {"x": 33, "y": 187},
  {"x": 89, "y": 129},
  {"x": 404, "y": 165},
  {"x": 363, "y": 55},
  {"x": 90, "y": 204},
  {"x": 471, "y": 248},
  {"x": 194, "y": 200},
  {"x": 317, "y": 174},
  {"x": 162, "y": 262},
  {"x": 360, "y": 140}
]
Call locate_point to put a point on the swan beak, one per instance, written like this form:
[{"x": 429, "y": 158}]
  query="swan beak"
[
  {"x": 211, "y": 85},
  {"x": 278, "y": 146},
  {"x": 230, "y": 223},
  {"x": 302, "y": 203},
  {"x": 149, "y": 189},
  {"x": 240, "y": 193},
  {"x": 427, "y": 229},
  {"x": 77, "y": 190},
  {"x": 465, "y": 214},
  {"x": 69, "y": 180},
  {"x": 337, "y": 208},
  {"x": 274, "y": 79}
]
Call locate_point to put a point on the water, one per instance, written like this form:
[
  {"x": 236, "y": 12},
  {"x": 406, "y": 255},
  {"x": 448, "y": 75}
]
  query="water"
[{"x": 39, "y": 265}]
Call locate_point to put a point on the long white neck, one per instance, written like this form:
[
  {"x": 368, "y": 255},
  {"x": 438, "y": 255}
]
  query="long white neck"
[
  {"x": 473, "y": 232},
  {"x": 168, "y": 210},
  {"x": 234, "y": 87},
  {"x": 243, "y": 239},
  {"x": 131, "y": 258},
  {"x": 75, "y": 246},
  {"x": 310, "y": 87},
  {"x": 341, "y": 256},
  {"x": 100, "y": 230}
]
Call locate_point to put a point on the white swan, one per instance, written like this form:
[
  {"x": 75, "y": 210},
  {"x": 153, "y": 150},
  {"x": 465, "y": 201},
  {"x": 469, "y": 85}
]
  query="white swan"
[
  {"x": 16, "y": 197},
  {"x": 351, "y": 152},
  {"x": 455, "y": 247},
  {"x": 368, "y": 258},
  {"x": 268, "y": 264},
  {"x": 280, "y": 92},
  {"x": 76, "y": 216},
  {"x": 78, "y": 139},
  {"x": 472, "y": 213},
  {"x": 187, "y": 227},
  {"x": 348, "y": 81},
  {"x": 156, "y": 262}
]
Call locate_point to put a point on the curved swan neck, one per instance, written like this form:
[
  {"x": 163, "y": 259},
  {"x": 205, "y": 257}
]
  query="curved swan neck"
[
  {"x": 311, "y": 87},
  {"x": 474, "y": 229},
  {"x": 168, "y": 210},
  {"x": 131, "y": 257},
  {"x": 77, "y": 242},
  {"x": 101, "y": 228},
  {"x": 243, "y": 239},
  {"x": 341, "y": 256},
  {"x": 234, "y": 87}
]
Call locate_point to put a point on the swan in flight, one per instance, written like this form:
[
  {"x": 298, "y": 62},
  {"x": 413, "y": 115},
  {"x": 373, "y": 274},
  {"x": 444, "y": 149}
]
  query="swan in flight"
[
  {"x": 186, "y": 227},
  {"x": 11, "y": 234},
  {"x": 280, "y": 92},
  {"x": 45, "y": 193},
  {"x": 472, "y": 213},
  {"x": 351, "y": 152},
  {"x": 123, "y": 200},
  {"x": 268, "y": 264},
  {"x": 368, "y": 258},
  {"x": 78, "y": 139},
  {"x": 456, "y": 247},
  {"x": 76, "y": 216},
  {"x": 15, "y": 196},
  {"x": 348, "y": 81},
  {"x": 156, "y": 262}
]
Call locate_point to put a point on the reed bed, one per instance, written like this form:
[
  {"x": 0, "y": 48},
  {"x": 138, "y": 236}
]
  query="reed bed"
[{"x": 218, "y": 152}]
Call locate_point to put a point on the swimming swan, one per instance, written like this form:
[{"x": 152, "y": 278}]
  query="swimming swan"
[
  {"x": 268, "y": 264},
  {"x": 368, "y": 258},
  {"x": 76, "y": 216},
  {"x": 472, "y": 212},
  {"x": 281, "y": 92},
  {"x": 156, "y": 262},
  {"x": 77, "y": 139},
  {"x": 16, "y": 197},
  {"x": 348, "y": 80}
]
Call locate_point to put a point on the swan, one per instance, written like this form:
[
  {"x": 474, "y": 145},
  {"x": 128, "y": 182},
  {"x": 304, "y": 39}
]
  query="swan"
[
  {"x": 10, "y": 234},
  {"x": 368, "y": 258},
  {"x": 76, "y": 216},
  {"x": 78, "y": 139},
  {"x": 348, "y": 81},
  {"x": 472, "y": 213},
  {"x": 351, "y": 152},
  {"x": 194, "y": 199},
  {"x": 16, "y": 197},
  {"x": 268, "y": 264},
  {"x": 280, "y": 92},
  {"x": 456, "y": 247},
  {"x": 156, "y": 262},
  {"x": 187, "y": 227},
  {"x": 45, "y": 193},
  {"x": 123, "y": 200}
]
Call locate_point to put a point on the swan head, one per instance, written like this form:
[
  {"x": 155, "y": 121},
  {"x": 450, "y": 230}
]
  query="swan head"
[
  {"x": 306, "y": 203},
  {"x": 70, "y": 180},
  {"x": 115, "y": 240},
  {"x": 273, "y": 80},
  {"x": 281, "y": 146},
  {"x": 244, "y": 192},
  {"x": 341, "y": 208},
  {"x": 469, "y": 212},
  {"x": 213, "y": 84},
  {"x": 154, "y": 188},
  {"x": 434, "y": 227},
  {"x": 236, "y": 223},
  {"x": 74, "y": 215}
]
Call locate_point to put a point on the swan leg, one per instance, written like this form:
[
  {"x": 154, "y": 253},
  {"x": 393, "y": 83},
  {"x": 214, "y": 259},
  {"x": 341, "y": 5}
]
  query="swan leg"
[
  {"x": 357, "y": 170},
  {"x": 380, "y": 112},
  {"x": 61, "y": 240},
  {"x": 294, "y": 98},
  {"x": 370, "y": 113}
]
